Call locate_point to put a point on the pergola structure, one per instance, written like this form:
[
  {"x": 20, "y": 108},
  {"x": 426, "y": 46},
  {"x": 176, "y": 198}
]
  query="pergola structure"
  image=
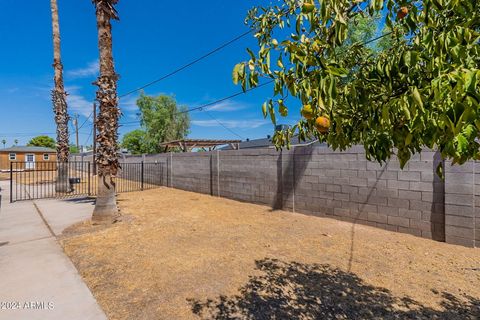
[{"x": 188, "y": 144}]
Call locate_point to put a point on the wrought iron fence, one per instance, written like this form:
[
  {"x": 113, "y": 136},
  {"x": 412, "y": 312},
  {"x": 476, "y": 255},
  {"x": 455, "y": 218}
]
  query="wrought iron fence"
[{"x": 41, "y": 180}]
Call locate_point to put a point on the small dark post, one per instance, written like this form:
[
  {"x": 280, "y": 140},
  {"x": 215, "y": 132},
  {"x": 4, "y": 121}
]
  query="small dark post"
[
  {"x": 142, "y": 172},
  {"x": 94, "y": 153},
  {"x": 88, "y": 179},
  {"x": 11, "y": 182}
]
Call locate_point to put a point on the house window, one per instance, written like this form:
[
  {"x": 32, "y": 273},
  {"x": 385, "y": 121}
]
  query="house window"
[
  {"x": 12, "y": 156},
  {"x": 46, "y": 156}
]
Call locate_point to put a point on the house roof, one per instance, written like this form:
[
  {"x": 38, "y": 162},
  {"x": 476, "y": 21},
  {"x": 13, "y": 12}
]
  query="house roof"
[{"x": 28, "y": 149}]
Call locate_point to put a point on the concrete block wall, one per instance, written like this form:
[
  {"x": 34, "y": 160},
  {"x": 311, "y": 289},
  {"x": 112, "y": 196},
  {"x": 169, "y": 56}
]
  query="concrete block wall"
[
  {"x": 342, "y": 185},
  {"x": 190, "y": 171},
  {"x": 249, "y": 175},
  {"x": 462, "y": 204},
  {"x": 346, "y": 186}
]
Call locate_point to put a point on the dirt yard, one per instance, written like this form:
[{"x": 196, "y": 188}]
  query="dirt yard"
[
  {"x": 182, "y": 255},
  {"x": 4, "y": 176}
]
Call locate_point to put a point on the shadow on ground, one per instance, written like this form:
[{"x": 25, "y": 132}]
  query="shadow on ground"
[
  {"x": 311, "y": 291},
  {"x": 81, "y": 200}
]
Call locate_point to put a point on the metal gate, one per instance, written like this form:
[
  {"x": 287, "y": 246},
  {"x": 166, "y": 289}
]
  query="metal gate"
[{"x": 50, "y": 179}]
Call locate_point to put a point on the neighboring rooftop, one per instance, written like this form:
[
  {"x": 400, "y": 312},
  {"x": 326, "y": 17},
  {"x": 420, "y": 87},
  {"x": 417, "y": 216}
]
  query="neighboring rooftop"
[{"x": 27, "y": 149}]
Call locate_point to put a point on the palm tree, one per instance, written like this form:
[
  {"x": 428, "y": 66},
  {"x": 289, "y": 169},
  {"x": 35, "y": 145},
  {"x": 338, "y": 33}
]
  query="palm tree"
[
  {"x": 59, "y": 100},
  {"x": 107, "y": 121},
  {"x": 15, "y": 142},
  {"x": 4, "y": 142}
]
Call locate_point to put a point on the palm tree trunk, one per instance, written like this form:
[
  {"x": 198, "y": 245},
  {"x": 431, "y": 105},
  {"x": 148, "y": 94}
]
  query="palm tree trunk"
[
  {"x": 59, "y": 99},
  {"x": 107, "y": 121}
]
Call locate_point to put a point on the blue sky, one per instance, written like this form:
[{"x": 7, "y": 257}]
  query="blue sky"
[{"x": 151, "y": 39}]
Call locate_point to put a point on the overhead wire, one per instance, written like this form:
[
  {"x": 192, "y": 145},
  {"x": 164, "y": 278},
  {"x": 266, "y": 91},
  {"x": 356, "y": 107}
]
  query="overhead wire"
[
  {"x": 202, "y": 107},
  {"x": 224, "y": 126},
  {"x": 187, "y": 65},
  {"x": 89, "y": 116},
  {"x": 88, "y": 138}
]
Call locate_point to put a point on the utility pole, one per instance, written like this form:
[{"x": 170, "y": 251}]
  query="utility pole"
[
  {"x": 75, "y": 123},
  {"x": 94, "y": 139}
]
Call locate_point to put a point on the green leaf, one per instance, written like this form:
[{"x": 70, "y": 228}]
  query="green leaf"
[
  {"x": 280, "y": 63},
  {"x": 236, "y": 71},
  {"x": 341, "y": 72},
  {"x": 410, "y": 58},
  {"x": 252, "y": 55},
  {"x": 471, "y": 81},
  {"x": 469, "y": 131},
  {"x": 408, "y": 139},
  {"x": 440, "y": 172},
  {"x": 271, "y": 111},
  {"x": 282, "y": 108},
  {"x": 462, "y": 143},
  {"x": 264, "y": 109},
  {"x": 417, "y": 97}
]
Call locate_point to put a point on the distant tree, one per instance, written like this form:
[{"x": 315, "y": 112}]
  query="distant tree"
[
  {"x": 4, "y": 142},
  {"x": 134, "y": 141},
  {"x": 162, "y": 120},
  {"x": 73, "y": 149},
  {"x": 361, "y": 29},
  {"x": 387, "y": 41},
  {"x": 42, "y": 141},
  {"x": 15, "y": 142}
]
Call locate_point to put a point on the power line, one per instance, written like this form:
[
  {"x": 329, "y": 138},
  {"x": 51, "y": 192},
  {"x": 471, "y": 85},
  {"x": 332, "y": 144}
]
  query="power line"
[
  {"x": 224, "y": 126},
  {"x": 377, "y": 38},
  {"x": 226, "y": 98},
  {"x": 187, "y": 65},
  {"x": 89, "y": 116},
  {"x": 214, "y": 102},
  {"x": 88, "y": 138}
]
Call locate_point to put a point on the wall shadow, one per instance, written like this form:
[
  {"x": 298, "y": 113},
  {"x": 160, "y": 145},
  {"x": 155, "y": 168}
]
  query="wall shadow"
[
  {"x": 287, "y": 175},
  {"x": 437, "y": 211},
  {"x": 292, "y": 290},
  {"x": 361, "y": 210}
]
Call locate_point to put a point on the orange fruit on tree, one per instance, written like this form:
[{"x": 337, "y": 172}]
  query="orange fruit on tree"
[
  {"x": 308, "y": 7},
  {"x": 322, "y": 124},
  {"x": 307, "y": 112},
  {"x": 402, "y": 13}
]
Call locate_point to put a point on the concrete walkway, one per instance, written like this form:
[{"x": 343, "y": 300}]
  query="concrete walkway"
[{"x": 37, "y": 280}]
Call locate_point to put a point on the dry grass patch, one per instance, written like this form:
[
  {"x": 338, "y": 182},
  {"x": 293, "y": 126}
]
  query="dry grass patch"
[{"x": 187, "y": 255}]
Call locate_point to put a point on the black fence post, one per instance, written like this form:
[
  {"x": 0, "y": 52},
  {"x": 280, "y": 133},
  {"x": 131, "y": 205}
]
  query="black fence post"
[
  {"x": 11, "y": 182},
  {"x": 88, "y": 179},
  {"x": 142, "y": 173}
]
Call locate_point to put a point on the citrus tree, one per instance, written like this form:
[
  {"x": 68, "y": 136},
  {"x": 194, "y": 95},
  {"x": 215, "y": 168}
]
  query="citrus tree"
[{"x": 420, "y": 90}]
